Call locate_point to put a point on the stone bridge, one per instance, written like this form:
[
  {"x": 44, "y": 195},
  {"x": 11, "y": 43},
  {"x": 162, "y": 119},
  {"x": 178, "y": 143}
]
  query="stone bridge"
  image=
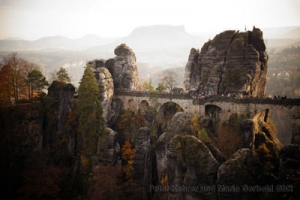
[{"x": 285, "y": 113}]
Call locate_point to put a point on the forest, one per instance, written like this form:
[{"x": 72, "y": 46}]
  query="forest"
[
  {"x": 48, "y": 155},
  {"x": 284, "y": 72}
]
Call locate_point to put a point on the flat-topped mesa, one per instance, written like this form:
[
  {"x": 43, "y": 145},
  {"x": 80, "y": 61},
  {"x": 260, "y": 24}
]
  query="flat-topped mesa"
[
  {"x": 232, "y": 63},
  {"x": 124, "y": 69}
]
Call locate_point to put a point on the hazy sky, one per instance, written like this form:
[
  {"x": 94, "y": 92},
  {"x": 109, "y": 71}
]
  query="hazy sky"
[{"x": 32, "y": 19}]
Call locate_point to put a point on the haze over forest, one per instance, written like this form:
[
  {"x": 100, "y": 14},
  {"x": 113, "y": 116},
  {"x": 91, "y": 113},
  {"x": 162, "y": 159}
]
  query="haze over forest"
[{"x": 68, "y": 34}]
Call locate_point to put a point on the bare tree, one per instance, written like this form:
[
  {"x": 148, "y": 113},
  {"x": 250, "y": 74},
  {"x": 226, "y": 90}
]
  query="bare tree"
[
  {"x": 19, "y": 69},
  {"x": 169, "y": 79},
  {"x": 13, "y": 73}
]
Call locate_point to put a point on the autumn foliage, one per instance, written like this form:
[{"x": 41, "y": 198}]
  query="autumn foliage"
[{"x": 127, "y": 156}]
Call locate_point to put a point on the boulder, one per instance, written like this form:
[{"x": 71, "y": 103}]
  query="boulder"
[
  {"x": 242, "y": 169},
  {"x": 233, "y": 62},
  {"x": 179, "y": 124},
  {"x": 191, "y": 165}
]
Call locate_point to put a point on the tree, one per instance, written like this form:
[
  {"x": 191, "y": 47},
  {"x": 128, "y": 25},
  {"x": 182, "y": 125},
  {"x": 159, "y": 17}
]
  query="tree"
[
  {"x": 13, "y": 74},
  {"x": 127, "y": 156},
  {"x": 6, "y": 85},
  {"x": 36, "y": 81},
  {"x": 161, "y": 88},
  {"x": 148, "y": 85},
  {"x": 91, "y": 123},
  {"x": 62, "y": 75},
  {"x": 168, "y": 78}
]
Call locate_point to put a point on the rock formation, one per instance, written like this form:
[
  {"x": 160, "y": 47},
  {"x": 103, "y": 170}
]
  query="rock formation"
[
  {"x": 105, "y": 84},
  {"x": 242, "y": 169},
  {"x": 59, "y": 102},
  {"x": 109, "y": 148},
  {"x": 115, "y": 74},
  {"x": 62, "y": 93},
  {"x": 186, "y": 160},
  {"x": 233, "y": 62},
  {"x": 124, "y": 69},
  {"x": 179, "y": 124},
  {"x": 190, "y": 163},
  {"x": 142, "y": 161}
]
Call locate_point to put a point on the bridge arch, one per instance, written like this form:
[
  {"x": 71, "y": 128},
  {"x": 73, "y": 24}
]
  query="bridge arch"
[
  {"x": 132, "y": 105},
  {"x": 166, "y": 112},
  {"x": 213, "y": 111},
  {"x": 143, "y": 106}
]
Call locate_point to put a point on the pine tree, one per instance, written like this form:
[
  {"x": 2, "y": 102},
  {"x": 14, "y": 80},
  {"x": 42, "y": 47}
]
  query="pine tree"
[
  {"x": 36, "y": 81},
  {"x": 91, "y": 123},
  {"x": 63, "y": 76}
]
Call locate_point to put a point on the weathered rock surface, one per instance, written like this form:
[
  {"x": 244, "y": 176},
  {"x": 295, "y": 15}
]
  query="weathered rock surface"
[
  {"x": 60, "y": 102},
  {"x": 115, "y": 111},
  {"x": 62, "y": 93},
  {"x": 142, "y": 146},
  {"x": 232, "y": 62},
  {"x": 243, "y": 168},
  {"x": 179, "y": 124},
  {"x": 187, "y": 160},
  {"x": 190, "y": 163},
  {"x": 105, "y": 84},
  {"x": 268, "y": 152},
  {"x": 142, "y": 160},
  {"x": 161, "y": 156},
  {"x": 124, "y": 69},
  {"x": 247, "y": 128},
  {"x": 109, "y": 148}
]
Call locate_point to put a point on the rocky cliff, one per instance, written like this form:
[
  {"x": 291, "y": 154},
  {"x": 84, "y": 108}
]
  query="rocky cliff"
[
  {"x": 58, "y": 105},
  {"x": 119, "y": 73},
  {"x": 105, "y": 84},
  {"x": 233, "y": 62}
]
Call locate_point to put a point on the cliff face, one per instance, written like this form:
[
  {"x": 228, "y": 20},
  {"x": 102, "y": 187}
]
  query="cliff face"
[
  {"x": 119, "y": 73},
  {"x": 58, "y": 107},
  {"x": 232, "y": 62},
  {"x": 105, "y": 84}
]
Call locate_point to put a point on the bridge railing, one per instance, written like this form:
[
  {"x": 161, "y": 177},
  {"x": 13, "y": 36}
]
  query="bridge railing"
[
  {"x": 248, "y": 100},
  {"x": 159, "y": 95},
  {"x": 212, "y": 98}
]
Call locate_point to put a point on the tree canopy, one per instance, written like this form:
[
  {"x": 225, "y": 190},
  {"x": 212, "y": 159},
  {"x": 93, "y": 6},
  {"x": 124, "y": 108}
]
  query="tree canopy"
[
  {"x": 14, "y": 72},
  {"x": 36, "y": 81},
  {"x": 91, "y": 123},
  {"x": 168, "y": 79},
  {"x": 63, "y": 76}
]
